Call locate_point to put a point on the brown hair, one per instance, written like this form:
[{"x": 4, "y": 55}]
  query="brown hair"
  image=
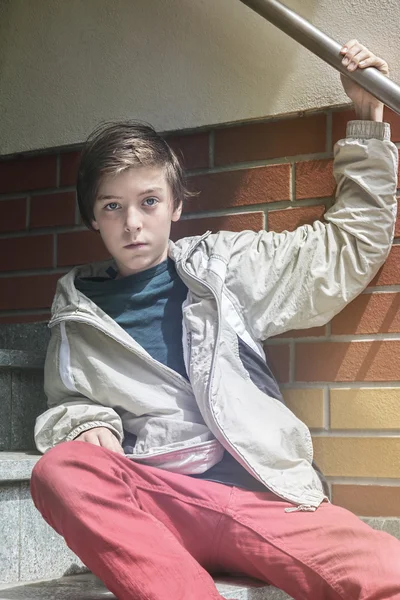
[{"x": 114, "y": 147}]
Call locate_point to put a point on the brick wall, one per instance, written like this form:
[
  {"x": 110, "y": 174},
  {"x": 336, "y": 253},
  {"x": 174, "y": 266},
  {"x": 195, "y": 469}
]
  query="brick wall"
[{"x": 341, "y": 379}]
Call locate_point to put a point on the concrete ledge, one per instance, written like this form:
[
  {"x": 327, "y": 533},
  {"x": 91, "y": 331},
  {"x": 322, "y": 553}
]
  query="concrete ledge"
[
  {"x": 17, "y": 466},
  {"x": 21, "y": 359},
  {"x": 88, "y": 587},
  {"x": 31, "y": 337}
]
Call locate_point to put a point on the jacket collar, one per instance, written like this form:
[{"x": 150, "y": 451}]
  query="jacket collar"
[{"x": 68, "y": 299}]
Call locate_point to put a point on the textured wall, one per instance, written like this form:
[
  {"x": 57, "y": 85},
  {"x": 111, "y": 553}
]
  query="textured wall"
[{"x": 178, "y": 64}]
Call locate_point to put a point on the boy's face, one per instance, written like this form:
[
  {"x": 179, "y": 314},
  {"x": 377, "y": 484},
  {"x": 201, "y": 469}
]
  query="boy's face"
[{"x": 135, "y": 207}]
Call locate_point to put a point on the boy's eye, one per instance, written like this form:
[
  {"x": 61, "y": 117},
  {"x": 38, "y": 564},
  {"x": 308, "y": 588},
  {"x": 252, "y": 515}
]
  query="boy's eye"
[
  {"x": 152, "y": 201},
  {"x": 111, "y": 206}
]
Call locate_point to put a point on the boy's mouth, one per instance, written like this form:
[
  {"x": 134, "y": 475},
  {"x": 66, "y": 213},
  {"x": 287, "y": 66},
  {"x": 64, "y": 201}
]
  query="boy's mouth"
[{"x": 135, "y": 245}]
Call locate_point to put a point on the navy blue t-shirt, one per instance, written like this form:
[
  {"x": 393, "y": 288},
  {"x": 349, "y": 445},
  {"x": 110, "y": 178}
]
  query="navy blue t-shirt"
[{"x": 148, "y": 306}]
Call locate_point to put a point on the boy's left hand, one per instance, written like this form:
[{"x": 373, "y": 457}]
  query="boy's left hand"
[{"x": 355, "y": 55}]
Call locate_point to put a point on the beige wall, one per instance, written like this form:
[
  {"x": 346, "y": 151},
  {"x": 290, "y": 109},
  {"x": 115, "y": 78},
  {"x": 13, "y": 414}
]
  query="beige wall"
[{"x": 65, "y": 65}]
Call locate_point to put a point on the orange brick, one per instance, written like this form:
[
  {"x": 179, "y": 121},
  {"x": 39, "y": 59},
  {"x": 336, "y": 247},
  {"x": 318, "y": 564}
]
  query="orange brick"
[
  {"x": 358, "y": 456},
  {"x": 239, "y": 188},
  {"x": 341, "y": 118},
  {"x": 314, "y": 179},
  {"x": 278, "y": 358},
  {"x": 389, "y": 273},
  {"x": 191, "y": 149},
  {"x": 307, "y": 404},
  {"x": 369, "y": 313},
  {"x": 365, "y": 408},
  {"x": 397, "y": 227},
  {"x": 398, "y": 172},
  {"x": 240, "y": 222},
  {"x": 352, "y": 361},
  {"x": 30, "y": 252},
  {"x": 368, "y": 500},
  {"x": 69, "y": 162},
  {"x": 28, "y": 173},
  {"x": 80, "y": 247},
  {"x": 259, "y": 141},
  {"x": 291, "y": 218},
  {"x": 52, "y": 210},
  {"x": 13, "y": 214},
  {"x": 30, "y": 292}
]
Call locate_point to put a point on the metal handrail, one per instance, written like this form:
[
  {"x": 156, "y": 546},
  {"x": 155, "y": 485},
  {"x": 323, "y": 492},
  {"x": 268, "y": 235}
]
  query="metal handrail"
[{"x": 326, "y": 48}]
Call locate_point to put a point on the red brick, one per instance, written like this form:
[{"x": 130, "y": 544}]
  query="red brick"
[
  {"x": 341, "y": 118},
  {"x": 80, "y": 247},
  {"x": 291, "y": 218},
  {"x": 69, "y": 162},
  {"x": 30, "y": 292},
  {"x": 30, "y": 252},
  {"x": 368, "y": 500},
  {"x": 314, "y": 179},
  {"x": 278, "y": 358},
  {"x": 239, "y": 188},
  {"x": 52, "y": 210},
  {"x": 13, "y": 214},
  {"x": 397, "y": 228},
  {"x": 352, "y": 361},
  {"x": 389, "y": 274},
  {"x": 259, "y": 141},
  {"x": 240, "y": 222},
  {"x": 192, "y": 149},
  {"x": 369, "y": 313},
  {"x": 35, "y": 318},
  {"x": 31, "y": 173},
  {"x": 339, "y": 124}
]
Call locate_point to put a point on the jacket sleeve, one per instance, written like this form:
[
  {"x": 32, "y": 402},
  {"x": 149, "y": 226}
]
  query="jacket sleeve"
[
  {"x": 69, "y": 413},
  {"x": 301, "y": 279}
]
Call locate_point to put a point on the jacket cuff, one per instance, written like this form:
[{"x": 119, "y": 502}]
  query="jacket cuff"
[
  {"x": 368, "y": 130},
  {"x": 91, "y": 425}
]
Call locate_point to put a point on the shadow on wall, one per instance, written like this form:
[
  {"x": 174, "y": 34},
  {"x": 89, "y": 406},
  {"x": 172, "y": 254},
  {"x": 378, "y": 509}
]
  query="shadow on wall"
[{"x": 118, "y": 59}]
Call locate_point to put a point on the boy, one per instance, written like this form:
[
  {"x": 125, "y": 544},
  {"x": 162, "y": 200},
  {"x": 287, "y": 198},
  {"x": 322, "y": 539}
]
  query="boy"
[{"x": 186, "y": 460}]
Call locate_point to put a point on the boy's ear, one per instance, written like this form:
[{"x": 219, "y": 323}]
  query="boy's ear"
[
  {"x": 176, "y": 215},
  {"x": 94, "y": 225}
]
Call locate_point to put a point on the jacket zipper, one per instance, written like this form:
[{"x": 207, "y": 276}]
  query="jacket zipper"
[{"x": 301, "y": 507}]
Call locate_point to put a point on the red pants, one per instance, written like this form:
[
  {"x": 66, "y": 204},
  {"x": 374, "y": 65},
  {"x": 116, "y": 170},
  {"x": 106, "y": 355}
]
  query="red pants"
[{"x": 154, "y": 535}]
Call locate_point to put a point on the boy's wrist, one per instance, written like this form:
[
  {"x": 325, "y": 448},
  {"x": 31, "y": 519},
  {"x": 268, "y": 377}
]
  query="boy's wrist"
[{"x": 369, "y": 112}]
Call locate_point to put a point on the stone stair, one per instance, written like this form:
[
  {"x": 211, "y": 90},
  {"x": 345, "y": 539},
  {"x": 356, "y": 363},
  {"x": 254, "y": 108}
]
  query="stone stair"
[
  {"x": 29, "y": 548},
  {"x": 88, "y": 587},
  {"x": 34, "y": 561}
]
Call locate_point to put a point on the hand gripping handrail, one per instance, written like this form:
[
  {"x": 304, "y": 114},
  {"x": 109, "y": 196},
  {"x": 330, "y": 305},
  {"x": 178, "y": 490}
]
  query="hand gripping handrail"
[{"x": 326, "y": 48}]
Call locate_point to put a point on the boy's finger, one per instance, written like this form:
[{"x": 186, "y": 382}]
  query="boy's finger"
[
  {"x": 355, "y": 60},
  {"x": 375, "y": 61},
  {"x": 355, "y": 50},
  {"x": 349, "y": 45}
]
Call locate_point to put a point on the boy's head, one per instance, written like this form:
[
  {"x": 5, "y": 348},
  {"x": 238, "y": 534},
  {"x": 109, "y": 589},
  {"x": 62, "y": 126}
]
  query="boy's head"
[{"x": 130, "y": 188}]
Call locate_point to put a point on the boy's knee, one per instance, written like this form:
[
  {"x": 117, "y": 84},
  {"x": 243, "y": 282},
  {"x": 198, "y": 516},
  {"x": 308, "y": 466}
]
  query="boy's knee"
[{"x": 54, "y": 462}]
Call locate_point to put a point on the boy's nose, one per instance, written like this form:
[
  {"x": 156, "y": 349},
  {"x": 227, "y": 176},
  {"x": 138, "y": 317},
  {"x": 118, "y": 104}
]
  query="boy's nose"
[{"x": 132, "y": 221}]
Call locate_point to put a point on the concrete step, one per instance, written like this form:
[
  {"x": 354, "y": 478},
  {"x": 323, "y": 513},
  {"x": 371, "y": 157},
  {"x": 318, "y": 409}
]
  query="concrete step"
[
  {"x": 22, "y": 399},
  {"x": 29, "y": 548},
  {"x": 88, "y": 587}
]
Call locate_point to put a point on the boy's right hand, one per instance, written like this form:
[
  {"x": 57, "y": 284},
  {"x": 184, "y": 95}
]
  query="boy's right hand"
[{"x": 101, "y": 436}]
